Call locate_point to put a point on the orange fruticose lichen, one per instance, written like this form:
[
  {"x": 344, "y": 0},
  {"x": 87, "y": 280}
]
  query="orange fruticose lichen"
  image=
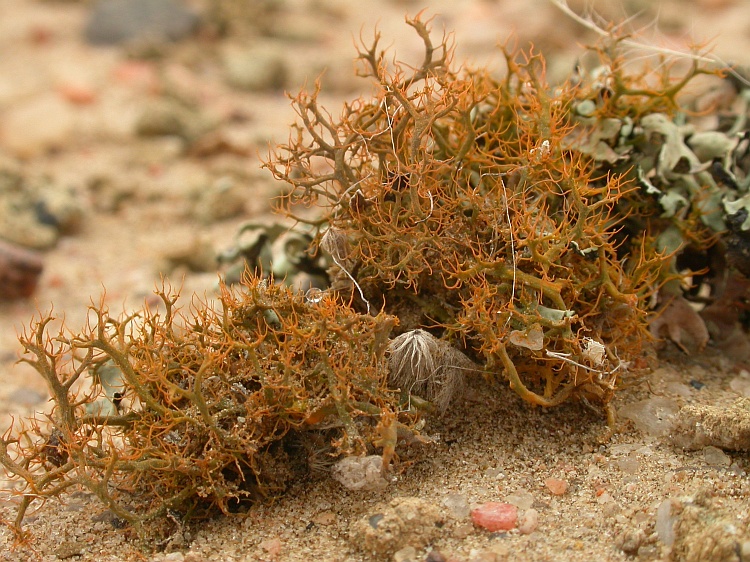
[
  {"x": 460, "y": 204},
  {"x": 201, "y": 413}
]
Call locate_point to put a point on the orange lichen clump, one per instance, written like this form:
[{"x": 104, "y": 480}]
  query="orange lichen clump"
[
  {"x": 457, "y": 203},
  {"x": 199, "y": 414}
]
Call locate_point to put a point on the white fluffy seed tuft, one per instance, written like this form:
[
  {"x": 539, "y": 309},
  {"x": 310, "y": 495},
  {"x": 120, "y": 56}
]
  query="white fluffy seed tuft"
[{"x": 423, "y": 365}]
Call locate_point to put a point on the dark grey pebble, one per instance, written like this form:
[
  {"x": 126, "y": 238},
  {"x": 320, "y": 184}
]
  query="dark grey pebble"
[{"x": 114, "y": 22}]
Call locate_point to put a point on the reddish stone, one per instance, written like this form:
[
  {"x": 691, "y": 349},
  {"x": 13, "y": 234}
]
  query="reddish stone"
[
  {"x": 19, "y": 271},
  {"x": 495, "y": 516},
  {"x": 138, "y": 74},
  {"x": 40, "y": 35},
  {"x": 557, "y": 486},
  {"x": 77, "y": 94}
]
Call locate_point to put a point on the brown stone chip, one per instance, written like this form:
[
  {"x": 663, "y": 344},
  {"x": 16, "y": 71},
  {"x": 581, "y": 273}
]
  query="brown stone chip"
[{"x": 19, "y": 271}]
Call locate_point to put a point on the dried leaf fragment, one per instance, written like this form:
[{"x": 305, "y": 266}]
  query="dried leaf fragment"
[{"x": 679, "y": 319}]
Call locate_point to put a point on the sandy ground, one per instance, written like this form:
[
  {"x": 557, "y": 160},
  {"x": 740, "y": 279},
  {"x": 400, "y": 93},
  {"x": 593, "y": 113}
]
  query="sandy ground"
[{"x": 69, "y": 111}]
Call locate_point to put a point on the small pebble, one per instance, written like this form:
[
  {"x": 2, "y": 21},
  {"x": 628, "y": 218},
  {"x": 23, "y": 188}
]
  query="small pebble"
[
  {"x": 495, "y": 516},
  {"x": 741, "y": 384},
  {"x": 604, "y": 498},
  {"x": 20, "y": 270},
  {"x": 522, "y": 499},
  {"x": 629, "y": 464},
  {"x": 653, "y": 416},
  {"x": 458, "y": 505},
  {"x": 715, "y": 456},
  {"x": 435, "y": 556},
  {"x": 69, "y": 549},
  {"x": 406, "y": 554},
  {"x": 611, "y": 509},
  {"x": 462, "y": 531},
  {"x": 404, "y": 522},
  {"x": 325, "y": 518},
  {"x": 223, "y": 199},
  {"x": 360, "y": 473},
  {"x": 38, "y": 124},
  {"x": 679, "y": 389},
  {"x": 696, "y": 384},
  {"x": 114, "y": 22},
  {"x": 495, "y": 553},
  {"x": 630, "y": 540},
  {"x": 77, "y": 94},
  {"x": 529, "y": 522},
  {"x": 258, "y": 68},
  {"x": 665, "y": 521},
  {"x": 556, "y": 485},
  {"x": 483, "y": 556},
  {"x": 271, "y": 546}
]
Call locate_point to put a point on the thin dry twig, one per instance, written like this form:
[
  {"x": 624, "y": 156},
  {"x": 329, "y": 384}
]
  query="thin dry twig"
[{"x": 591, "y": 25}]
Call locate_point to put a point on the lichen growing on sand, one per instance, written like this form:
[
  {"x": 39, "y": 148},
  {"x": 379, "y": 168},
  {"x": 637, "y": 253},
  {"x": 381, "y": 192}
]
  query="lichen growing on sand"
[{"x": 470, "y": 224}]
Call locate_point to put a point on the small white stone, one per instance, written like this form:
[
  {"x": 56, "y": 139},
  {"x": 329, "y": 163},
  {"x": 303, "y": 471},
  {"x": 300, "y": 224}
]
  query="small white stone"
[
  {"x": 653, "y": 416},
  {"x": 529, "y": 521},
  {"x": 360, "y": 473},
  {"x": 522, "y": 499},
  {"x": 458, "y": 505},
  {"x": 665, "y": 520},
  {"x": 715, "y": 456}
]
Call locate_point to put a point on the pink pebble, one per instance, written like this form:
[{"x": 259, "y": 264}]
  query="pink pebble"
[
  {"x": 557, "y": 486},
  {"x": 495, "y": 516}
]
